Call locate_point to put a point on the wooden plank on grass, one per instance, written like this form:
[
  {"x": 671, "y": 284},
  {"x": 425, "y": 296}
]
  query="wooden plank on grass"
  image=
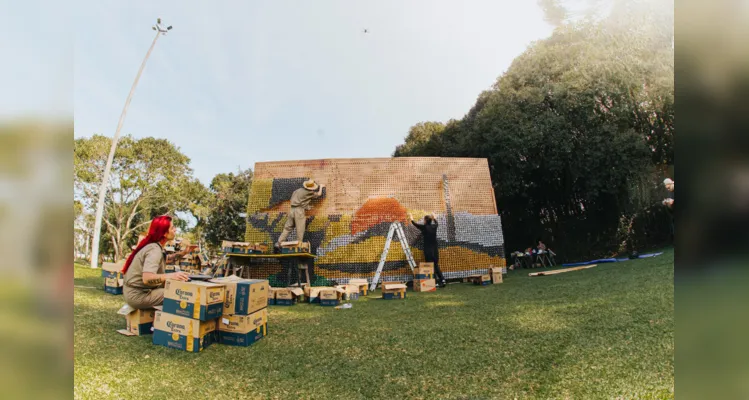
[{"x": 559, "y": 271}]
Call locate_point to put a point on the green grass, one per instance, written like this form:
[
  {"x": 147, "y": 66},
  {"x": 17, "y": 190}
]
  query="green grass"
[{"x": 605, "y": 332}]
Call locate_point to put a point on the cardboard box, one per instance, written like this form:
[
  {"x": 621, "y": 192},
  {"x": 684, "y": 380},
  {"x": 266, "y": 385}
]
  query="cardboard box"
[
  {"x": 288, "y": 296},
  {"x": 393, "y": 290},
  {"x": 350, "y": 292},
  {"x": 114, "y": 285},
  {"x": 424, "y": 272},
  {"x": 271, "y": 296},
  {"x": 425, "y": 285},
  {"x": 243, "y": 330},
  {"x": 183, "y": 333},
  {"x": 496, "y": 275},
  {"x": 112, "y": 270},
  {"x": 262, "y": 247},
  {"x": 195, "y": 299},
  {"x": 138, "y": 322},
  {"x": 480, "y": 279},
  {"x": 362, "y": 284},
  {"x": 313, "y": 293},
  {"x": 244, "y": 296},
  {"x": 330, "y": 296}
]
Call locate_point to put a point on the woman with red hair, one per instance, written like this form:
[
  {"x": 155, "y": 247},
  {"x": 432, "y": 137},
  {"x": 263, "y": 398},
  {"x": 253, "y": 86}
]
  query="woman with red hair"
[{"x": 144, "y": 269}]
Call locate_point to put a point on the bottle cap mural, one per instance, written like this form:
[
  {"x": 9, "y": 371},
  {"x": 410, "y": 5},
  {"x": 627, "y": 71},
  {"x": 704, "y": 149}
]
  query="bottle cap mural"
[{"x": 347, "y": 226}]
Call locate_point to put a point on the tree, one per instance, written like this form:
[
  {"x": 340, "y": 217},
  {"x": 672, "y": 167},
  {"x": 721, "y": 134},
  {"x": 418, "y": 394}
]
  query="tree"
[
  {"x": 419, "y": 137},
  {"x": 573, "y": 132},
  {"x": 225, "y": 219},
  {"x": 149, "y": 177}
]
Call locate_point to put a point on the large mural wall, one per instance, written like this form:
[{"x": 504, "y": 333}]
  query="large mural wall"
[{"x": 348, "y": 225}]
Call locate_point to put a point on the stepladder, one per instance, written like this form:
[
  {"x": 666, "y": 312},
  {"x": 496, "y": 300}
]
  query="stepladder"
[{"x": 395, "y": 228}]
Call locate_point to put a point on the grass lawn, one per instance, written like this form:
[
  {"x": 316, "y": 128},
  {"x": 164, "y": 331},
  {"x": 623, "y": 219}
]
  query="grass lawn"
[{"x": 604, "y": 332}]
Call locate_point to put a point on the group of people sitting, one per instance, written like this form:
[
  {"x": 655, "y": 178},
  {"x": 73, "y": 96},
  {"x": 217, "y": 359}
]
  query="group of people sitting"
[{"x": 533, "y": 257}]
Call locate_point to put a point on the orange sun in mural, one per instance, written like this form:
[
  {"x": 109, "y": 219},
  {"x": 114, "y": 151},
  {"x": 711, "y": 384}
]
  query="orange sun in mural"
[{"x": 378, "y": 210}]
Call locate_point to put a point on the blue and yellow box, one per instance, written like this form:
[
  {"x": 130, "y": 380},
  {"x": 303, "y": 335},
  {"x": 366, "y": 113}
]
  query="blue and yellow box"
[
  {"x": 139, "y": 322},
  {"x": 362, "y": 284},
  {"x": 393, "y": 290},
  {"x": 244, "y": 296},
  {"x": 330, "y": 296},
  {"x": 243, "y": 330},
  {"x": 288, "y": 296},
  {"x": 313, "y": 293},
  {"x": 183, "y": 333},
  {"x": 350, "y": 292},
  {"x": 425, "y": 270},
  {"x": 113, "y": 277},
  {"x": 195, "y": 299},
  {"x": 113, "y": 285}
]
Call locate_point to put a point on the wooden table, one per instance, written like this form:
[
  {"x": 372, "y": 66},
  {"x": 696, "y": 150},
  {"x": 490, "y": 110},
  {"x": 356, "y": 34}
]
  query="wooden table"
[{"x": 289, "y": 261}]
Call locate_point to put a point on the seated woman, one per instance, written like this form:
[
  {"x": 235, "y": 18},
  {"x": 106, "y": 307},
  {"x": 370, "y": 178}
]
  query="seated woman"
[{"x": 144, "y": 268}]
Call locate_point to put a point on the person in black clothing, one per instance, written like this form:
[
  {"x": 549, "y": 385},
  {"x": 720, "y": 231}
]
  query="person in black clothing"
[{"x": 431, "y": 252}]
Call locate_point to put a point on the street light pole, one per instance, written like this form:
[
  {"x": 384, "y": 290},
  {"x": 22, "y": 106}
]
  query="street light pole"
[{"x": 160, "y": 30}]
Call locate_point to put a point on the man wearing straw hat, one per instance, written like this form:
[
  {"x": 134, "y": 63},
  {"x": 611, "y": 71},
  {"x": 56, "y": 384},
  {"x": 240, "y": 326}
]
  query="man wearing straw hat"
[{"x": 300, "y": 202}]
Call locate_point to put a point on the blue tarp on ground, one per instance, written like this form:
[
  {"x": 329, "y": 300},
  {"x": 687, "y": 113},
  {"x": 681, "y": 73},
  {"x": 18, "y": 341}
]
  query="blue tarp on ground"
[{"x": 609, "y": 260}]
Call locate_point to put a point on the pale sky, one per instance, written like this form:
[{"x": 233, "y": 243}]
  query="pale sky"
[{"x": 237, "y": 82}]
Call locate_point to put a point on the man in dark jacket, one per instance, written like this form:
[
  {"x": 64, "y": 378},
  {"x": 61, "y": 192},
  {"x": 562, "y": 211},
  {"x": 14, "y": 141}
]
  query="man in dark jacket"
[{"x": 431, "y": 252}]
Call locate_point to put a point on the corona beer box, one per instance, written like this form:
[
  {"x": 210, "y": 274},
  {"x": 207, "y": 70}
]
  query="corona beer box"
[
  {"x": 481, "y": 279},
  {"x": 183, "y": 333},
  {"x": 243, "y": 330},
  {"x": 197, "y": 300},
  {"x": 393, "y": 290},
  {"x": 496, "y": 274},
  {"x": 350, "y": 292},
  {"x": 271, "y": 296},
  {"x": 235, "y": 247},
  {"x": 425, "y": 270},
  {"x": 361, "y": 284},
  {"x": 170, "y": 268},
  {"x": 112, "y": 270},
  {"x": 288, "y": 296},
  {"x": 139, "y": 322},
  {"x": 425, "y": 285},
  {"x": 243, "y": 296},
  {"x": 313, "y": 293},
  {"x": 329, "y": 296},
  {"x": 113, "y": 285}
]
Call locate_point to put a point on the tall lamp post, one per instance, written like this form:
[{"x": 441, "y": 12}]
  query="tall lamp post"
[{"x": 160, "y": 30}]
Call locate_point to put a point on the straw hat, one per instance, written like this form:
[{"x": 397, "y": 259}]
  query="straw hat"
[{"x": 311, "y": 185}]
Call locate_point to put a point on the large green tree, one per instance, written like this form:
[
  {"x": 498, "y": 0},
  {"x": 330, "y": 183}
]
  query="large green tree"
[
  {"x": 574, "y": 132},
  {"x": 225, "y": 219},
  {"x": 149, "y": 177}
]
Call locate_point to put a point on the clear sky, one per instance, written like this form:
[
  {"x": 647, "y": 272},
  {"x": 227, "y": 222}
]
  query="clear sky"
[{"x": 236, "y": 82}]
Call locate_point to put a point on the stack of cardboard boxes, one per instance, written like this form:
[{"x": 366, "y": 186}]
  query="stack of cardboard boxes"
[
  {"x": 113, "y": 278},
  {"x": 189, "y": 316},
  {"x": 245, "y": 311},
  {"x": 424, "y": 278}
]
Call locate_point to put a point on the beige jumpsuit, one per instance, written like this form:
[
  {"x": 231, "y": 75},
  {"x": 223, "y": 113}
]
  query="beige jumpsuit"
[
  {"x": 137, "y": 294},
  {"x": 300, "y": 200}
]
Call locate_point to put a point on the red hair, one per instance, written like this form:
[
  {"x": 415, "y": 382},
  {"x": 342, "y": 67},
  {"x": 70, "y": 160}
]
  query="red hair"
[{"x": 156, "y": 232}]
